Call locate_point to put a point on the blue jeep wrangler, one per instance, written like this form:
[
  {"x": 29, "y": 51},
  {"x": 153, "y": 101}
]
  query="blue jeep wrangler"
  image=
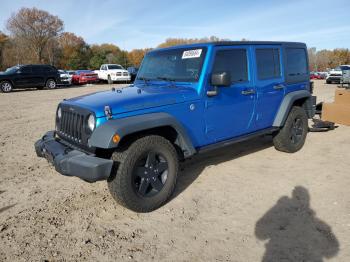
[{"x": 185, "y": 100}]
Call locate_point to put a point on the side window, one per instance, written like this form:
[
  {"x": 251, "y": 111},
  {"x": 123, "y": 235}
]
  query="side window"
[
  {"x": 37, "y": 69},
  {"x": 296, "y": 65},
  {"x": 46, "y": 69},
  {"x": 26, "y": 69},
  {"x": 233, "y": 61},
  {"x": 268, "y": 63}
]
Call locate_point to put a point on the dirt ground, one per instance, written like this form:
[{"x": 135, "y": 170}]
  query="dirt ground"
[{"x": 247, "y": 202}]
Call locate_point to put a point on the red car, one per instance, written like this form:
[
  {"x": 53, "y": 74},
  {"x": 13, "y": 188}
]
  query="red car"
[
  {"x": 314, "y": 75},
  {"x": 81, "y": 77}
]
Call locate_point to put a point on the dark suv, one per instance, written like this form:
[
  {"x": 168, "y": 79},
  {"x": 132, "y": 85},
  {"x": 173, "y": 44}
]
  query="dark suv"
[{"x": 24, "y": 76}]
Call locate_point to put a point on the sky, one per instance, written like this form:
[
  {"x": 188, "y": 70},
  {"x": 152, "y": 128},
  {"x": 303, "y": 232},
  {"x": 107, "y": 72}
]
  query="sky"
[{"x": 130, "y": 24}]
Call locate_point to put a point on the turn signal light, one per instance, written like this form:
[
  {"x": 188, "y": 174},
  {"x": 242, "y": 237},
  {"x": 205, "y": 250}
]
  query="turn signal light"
[{"x": 116, "y": 138}]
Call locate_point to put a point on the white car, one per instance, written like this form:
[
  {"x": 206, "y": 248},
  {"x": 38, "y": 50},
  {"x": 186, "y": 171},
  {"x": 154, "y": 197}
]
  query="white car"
[
  {"x": 335, "y": 74},
  {"x": 113, "y": 72},
  {"x": 66, "y": 78}
]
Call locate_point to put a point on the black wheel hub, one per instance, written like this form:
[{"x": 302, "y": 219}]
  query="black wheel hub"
[
  {"x": 150, "y": 174},
  {"x": 296, "y": 131}
]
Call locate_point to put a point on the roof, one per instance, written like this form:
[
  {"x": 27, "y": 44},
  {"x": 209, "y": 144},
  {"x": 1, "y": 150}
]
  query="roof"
[{"x": 230, "y": 43}]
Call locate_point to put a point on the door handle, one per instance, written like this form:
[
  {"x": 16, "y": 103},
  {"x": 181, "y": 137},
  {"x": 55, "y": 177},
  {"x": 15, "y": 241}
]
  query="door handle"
[
  {"x": 248, "y": 92},
  {"x": 278, "y": 87}
]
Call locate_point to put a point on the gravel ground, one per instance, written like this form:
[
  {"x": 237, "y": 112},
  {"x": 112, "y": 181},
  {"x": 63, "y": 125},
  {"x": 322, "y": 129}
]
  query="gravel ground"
[{"x": 247, "y": 202}]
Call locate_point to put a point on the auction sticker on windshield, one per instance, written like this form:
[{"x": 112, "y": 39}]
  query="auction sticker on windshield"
[{"x": 192, "y": 53}]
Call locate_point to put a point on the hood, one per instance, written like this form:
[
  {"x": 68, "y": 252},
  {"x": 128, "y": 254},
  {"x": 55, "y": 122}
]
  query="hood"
[{"x": 134, "y": 98}]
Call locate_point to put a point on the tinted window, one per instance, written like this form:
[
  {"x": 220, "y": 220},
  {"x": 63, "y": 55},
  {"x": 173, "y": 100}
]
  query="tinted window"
[
  {"x": 26, "y": 69},
  {"x": 296, "y": 65},
  {"x": 37, "y": 69},
  {"x": 115, "y": 67},
  {"x": 268, "y": 63},
  {"x": 48, "y": 69},
  {"x": 233, "y": 61}
]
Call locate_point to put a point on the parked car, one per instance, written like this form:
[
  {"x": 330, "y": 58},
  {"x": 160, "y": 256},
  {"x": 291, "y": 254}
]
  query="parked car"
[
  {"x": 81, "y": 77},
  {"x": 25, "y": 76},
  {"x": 314, "y": 75},
  {"x": 186, "y": 100},
  {"x": 112, "y": 72},
  {"x": 335, "y": 74},
  {"x": 66, "y": 78},
  {"x": 132, "y": 72}
]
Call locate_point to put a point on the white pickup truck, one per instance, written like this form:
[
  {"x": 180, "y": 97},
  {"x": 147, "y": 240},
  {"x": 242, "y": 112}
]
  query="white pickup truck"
[{"x": 113, "y": 72}]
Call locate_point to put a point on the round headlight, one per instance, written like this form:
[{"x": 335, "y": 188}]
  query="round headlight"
[
  {"x": 59, "y": 113},
  {"x": 91, "y": 122}
]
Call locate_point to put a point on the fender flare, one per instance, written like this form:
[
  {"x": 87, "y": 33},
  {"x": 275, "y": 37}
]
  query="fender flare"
[
  {"x": 287, "y": 104},
  {"x": 102, "y": 137}
]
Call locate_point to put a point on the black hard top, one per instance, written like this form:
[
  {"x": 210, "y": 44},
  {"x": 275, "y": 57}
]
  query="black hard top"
[
  {"x": 255, "y": 43},
  {"x": 231, "y": 43}
]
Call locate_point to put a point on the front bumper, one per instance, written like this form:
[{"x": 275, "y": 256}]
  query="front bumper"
[
  {"x": 120, "y": 78},
  {"x": 71, "y": 162}
]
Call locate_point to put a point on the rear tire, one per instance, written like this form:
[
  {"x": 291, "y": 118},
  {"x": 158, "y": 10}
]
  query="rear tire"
[
  {"x": 291, "y": 137},
  {"x": 144, "y": 174},
  {"x": 6, "y": 86}
]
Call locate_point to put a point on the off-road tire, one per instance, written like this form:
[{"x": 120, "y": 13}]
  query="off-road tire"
[
  {"x": 109, "y": 80},
  {"x": 283, "y": 139},
  {"x": 51, "y": 84},
  {"x": 6, "y": 87},
  {"x": 121, "y": 184}
]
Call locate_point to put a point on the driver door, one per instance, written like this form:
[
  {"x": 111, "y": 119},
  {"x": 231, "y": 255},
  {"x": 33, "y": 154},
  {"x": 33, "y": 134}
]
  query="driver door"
[{"x": 230, "y": 113}]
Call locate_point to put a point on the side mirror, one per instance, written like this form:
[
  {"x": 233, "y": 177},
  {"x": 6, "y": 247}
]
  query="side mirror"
[{"x": 219, "y": 79}]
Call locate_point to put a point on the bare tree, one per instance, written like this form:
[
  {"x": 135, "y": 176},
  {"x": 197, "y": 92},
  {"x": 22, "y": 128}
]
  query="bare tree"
[{"x": 35, "y": 28}]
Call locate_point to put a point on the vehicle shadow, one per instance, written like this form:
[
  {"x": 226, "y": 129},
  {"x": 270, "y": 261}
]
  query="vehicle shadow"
[
  {"x": 193, "y": 167},
  {"x": 293, "y": 231}
]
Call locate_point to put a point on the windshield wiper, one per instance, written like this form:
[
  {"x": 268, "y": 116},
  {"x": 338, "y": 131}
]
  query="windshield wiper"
[
  {"x": 145, "y": 80},
  {"x": 170, "y": 80}
]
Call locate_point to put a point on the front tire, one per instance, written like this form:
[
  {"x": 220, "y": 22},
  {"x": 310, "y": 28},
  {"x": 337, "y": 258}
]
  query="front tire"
[
  {"x": 144, "y": 174},
  {"x": 291, "y": 137},
  {"x": 6, "y": 86},
  {"x": 109, "y": 80},
  {"x": 51, "y": 84}
]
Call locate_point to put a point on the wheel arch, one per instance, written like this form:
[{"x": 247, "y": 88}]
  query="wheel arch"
[
  {"x": 8, "y": 80},
  {"x": 300, "y": 98},
  {"x": 131, "y": 128}
]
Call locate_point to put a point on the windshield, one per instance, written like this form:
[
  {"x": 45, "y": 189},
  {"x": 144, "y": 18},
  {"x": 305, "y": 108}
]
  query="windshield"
[
  {"x": 342, "y": 68},
  {"x": 183, "y": 64},
  {"x": 12, "y": 70},
  {"x": 115, "y": 67}
]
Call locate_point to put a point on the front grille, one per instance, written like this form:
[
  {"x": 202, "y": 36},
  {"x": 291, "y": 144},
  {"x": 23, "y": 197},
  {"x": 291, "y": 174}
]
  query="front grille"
[
  {"x": 71, "y": 126},
  {"x": 119, "y": 73},
  {"x": 125, "y": 74}
]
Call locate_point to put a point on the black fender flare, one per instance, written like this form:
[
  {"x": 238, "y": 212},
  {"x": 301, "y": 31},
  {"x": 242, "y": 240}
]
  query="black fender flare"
[
  {"x": 102, "y": 137},
  {"x": 288, "y": 102}
]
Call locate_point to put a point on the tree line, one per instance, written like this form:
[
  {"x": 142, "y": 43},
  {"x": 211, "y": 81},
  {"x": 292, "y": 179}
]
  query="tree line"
[{"x": 36, "y": 36}]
